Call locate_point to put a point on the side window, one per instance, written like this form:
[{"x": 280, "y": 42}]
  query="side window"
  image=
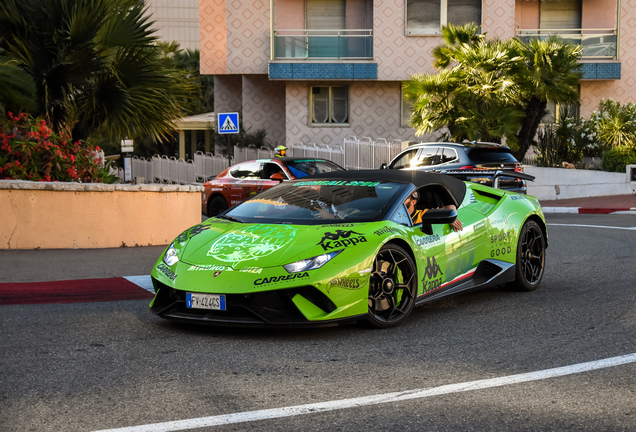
[
  {"x": 270, "y": 169},
  {"x": 248, "y": 170},
  {"x": 449, "y": 155},
  {"x": 404, "y": 160},
  {"x": 427, "y": 157},
  {"x": 329, "y": 105}
]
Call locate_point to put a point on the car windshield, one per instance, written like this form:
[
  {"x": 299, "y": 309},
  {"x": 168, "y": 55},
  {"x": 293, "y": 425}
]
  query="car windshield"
[
  {"x": 304, "y": 167},
  {"x": 318, "y": 202}
]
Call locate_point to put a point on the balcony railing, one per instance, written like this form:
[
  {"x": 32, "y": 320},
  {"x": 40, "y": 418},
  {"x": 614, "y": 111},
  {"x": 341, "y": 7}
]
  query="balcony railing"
[
  {"x": 323, "y": 44},
  {"x": 596, "y": 43}
]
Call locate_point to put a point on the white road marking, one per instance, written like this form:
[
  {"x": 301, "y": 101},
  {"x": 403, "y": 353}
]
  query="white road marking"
[
  {"x": 143, "y": 281},
  {"x": 593, "y": 226},
  {"x": 248, "y": 416}
]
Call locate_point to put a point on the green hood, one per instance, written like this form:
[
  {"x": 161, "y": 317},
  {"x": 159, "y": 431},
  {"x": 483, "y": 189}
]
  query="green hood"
[{"x": 240, "y": 245}]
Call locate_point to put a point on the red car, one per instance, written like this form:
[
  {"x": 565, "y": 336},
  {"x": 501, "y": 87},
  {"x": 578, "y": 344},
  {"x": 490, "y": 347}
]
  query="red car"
[{"x": 244, "y": 180}]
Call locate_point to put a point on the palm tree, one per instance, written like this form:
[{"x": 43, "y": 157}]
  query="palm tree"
[
  {"x": 96, "y": 66},
  {"x": 17, "y": 89},
  {"x": 475, "y": 93},
  {"x": 553, "y": 75}
]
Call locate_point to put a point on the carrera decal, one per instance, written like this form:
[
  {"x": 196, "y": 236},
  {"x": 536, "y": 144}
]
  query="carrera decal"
[
  {"x": 432, "y": 279},
  {"x": 274, "y": 279},
  {"x": 167, "y": 272},
  {"x": 341, "y": 239},
  {"x": 251, "y": 243},
  {"x": 427, "y": 240}
]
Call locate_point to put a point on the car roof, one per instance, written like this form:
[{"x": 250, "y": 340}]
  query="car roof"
[
  {"x": 472, "y": 144},
  {"x": 456, "y": 187},
  {"x": 293, "y": 159}
]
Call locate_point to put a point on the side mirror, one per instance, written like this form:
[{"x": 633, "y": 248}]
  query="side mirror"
[
  {"x": 439, "y": 216},
  {"x": 383, "y": 166},
  {"x": 277, "y": 177}
]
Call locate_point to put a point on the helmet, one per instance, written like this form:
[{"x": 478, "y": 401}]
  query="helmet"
[{"x": 280, "y": 151}]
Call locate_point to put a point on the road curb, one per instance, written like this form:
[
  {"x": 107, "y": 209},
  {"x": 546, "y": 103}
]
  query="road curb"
[{"x": 589, "y": 210}]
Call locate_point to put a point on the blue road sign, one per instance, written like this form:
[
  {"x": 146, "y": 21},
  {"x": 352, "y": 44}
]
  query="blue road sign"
[{"x": 228, "y": 123}]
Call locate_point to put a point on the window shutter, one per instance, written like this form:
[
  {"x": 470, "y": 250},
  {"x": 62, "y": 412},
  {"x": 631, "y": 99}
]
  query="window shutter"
[
  {"x": 562, "y": 14},
  {"x": 325, "y": 14}
]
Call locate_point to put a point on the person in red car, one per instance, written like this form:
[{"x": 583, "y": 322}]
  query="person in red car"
[{"x": 281, "y": 150}]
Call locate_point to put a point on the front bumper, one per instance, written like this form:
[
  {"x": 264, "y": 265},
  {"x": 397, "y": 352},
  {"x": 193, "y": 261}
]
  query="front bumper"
[{"x": 276, "y": 308}]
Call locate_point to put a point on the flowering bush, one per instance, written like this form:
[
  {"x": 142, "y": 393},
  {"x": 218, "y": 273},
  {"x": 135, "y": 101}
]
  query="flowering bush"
[{"x": 30, "y": 150}]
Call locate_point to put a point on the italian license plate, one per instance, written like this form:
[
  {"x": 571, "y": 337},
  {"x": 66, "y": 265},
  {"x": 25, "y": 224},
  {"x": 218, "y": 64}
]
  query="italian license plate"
[{"x": 205, "y": 301}]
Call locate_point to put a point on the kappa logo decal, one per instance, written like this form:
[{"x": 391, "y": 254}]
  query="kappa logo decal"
[
  {"x": 431, "y": 280},
  {"x": 341, "y": 239}
]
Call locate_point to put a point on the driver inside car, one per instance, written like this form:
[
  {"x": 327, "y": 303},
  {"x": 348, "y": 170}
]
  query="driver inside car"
[{"x": 416, "y": 214}]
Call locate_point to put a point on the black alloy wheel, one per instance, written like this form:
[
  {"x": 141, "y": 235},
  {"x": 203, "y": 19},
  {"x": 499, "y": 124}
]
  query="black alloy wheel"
[
  {"x": 392, "y": 287},
  {"x": 530, "y": 257},
  {"x": 216, "y": 205}
]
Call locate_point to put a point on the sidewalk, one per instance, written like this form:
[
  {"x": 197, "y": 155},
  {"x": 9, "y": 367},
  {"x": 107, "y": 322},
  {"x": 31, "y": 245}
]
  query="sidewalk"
[{"x": 600, "y": 204}]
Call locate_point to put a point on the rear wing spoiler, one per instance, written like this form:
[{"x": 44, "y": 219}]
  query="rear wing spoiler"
[{"x": 494, "y": 173}]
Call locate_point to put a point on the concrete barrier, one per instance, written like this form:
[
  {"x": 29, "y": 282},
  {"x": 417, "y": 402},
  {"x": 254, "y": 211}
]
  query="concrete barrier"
[
  {"x": 61, "y": 215},
  {"x": 560, "y": 183}
]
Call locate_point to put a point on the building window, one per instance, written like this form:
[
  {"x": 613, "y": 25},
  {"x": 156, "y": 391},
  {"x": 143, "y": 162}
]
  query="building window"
[
  {"x": 406, "y": 111},
  {"x": 426, "y": 17},
  {"x": 329, "y": 105}
]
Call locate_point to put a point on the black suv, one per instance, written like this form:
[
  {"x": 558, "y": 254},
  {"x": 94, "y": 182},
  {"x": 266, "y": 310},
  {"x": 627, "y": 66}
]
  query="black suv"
[{"x": 479, "y": 162}]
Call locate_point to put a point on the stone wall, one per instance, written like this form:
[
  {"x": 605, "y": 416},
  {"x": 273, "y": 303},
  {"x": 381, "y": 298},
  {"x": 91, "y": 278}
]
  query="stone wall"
[{"x": 61, "y": 215}]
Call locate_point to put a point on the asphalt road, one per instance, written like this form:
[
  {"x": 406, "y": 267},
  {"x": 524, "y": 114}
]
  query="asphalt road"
[{"x": 94, "y": 366}]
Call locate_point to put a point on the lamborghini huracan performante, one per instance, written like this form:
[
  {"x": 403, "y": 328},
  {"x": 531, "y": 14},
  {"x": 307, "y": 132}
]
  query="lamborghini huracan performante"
[{"x": 341, "y": 247}]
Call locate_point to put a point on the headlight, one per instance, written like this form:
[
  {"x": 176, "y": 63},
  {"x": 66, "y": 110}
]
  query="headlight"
[
  {"x": 310, "y": 263},
  {"x": 170, "y": 257}
]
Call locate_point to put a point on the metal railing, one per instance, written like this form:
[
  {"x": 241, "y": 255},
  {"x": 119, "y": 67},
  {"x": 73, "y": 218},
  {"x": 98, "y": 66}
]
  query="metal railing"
[
  {"x": 353, "y": 153},
  {"x": 323, "y": 44},
  {"x": 596, "y": 43}
]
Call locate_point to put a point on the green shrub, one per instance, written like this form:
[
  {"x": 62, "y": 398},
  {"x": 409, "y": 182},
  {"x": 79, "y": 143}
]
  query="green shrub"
[{"x": 616, "y": 159}]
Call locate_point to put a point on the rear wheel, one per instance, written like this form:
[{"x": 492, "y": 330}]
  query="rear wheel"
[
  {"x": 392, "y": 287},
  {"x": 530, "y": 257},
  {"x": 216, "y": 205}
]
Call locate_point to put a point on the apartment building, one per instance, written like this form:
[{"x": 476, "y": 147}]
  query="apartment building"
[
  {"x": 317, "y": 71},
  {"x": 175, "y": 20}
]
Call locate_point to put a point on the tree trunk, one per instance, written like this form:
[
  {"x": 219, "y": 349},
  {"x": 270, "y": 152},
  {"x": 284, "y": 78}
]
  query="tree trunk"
[{"x": 529, "y": 126}]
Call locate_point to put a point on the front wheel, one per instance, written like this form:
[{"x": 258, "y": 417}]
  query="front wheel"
[
  {"x": 530, "y": 262},
  {"x": 216, "y": 205},
  {"x": 392, "y": 287}
]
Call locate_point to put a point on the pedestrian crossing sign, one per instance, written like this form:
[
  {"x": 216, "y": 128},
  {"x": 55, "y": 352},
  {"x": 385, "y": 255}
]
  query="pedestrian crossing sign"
[{"x": 228, "y": 123}]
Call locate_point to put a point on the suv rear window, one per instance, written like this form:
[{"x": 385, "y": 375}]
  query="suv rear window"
[{"x": 491, "y": 155}]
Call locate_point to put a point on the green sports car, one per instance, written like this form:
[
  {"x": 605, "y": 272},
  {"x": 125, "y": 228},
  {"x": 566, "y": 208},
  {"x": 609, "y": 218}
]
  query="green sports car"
[{"x": 341, "y": 247}]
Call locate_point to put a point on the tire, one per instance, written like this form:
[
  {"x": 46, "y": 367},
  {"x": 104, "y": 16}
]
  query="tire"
[
  {"x": 530, "y": 262},
  {"x": 392, "y": 287},
  {"x": 216, "y": 205}
]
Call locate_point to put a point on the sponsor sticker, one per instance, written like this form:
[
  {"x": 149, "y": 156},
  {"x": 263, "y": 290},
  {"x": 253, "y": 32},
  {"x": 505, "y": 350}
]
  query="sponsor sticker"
[
  {"x": 341, "y": 239},
  {"x": 274, "y": 279}
]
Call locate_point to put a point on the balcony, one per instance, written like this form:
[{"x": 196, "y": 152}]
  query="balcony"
[
  {"x": 597, "y": 44},
  {"x": 346, "y": 44}
]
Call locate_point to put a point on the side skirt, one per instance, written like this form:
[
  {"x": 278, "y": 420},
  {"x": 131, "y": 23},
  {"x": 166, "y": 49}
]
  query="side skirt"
[{"x": 488, "y": 273}]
